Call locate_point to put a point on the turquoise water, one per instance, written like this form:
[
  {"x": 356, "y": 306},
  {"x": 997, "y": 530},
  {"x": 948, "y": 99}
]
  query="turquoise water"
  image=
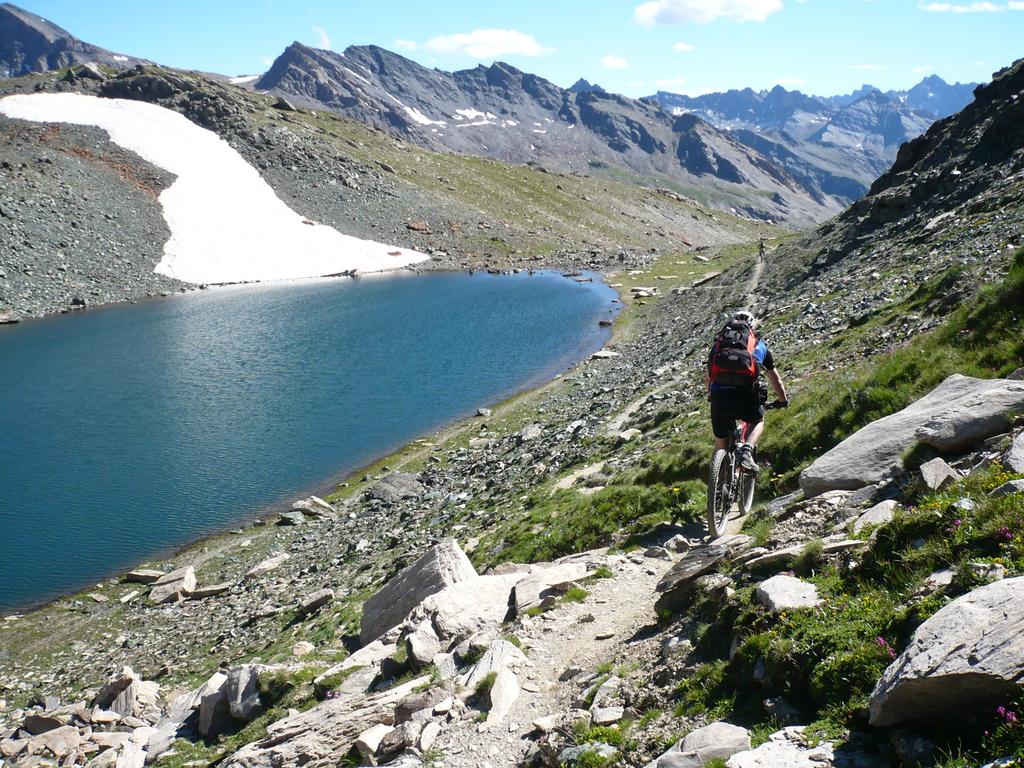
[{"x": 129, "y": 430}]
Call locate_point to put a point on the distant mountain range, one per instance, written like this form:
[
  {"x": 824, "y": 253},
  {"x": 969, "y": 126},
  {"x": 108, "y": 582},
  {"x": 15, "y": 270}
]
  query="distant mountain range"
[
  {"x": 776, "y": 155},
  {"x": 30, "y": 43},
  {"x": 842, "y": 142},
  {"x": 501, "y": 112}
]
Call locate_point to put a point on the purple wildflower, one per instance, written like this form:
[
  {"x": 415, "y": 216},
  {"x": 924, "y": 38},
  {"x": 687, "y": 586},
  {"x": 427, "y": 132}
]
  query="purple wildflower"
[
  {"x": 1004, "y": 534},
  {"x": 884, "y": 645}
]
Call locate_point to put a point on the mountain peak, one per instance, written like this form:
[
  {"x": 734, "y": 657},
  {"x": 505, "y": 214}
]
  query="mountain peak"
[
  {"x": 30, "y": 43},
  {"x": 583, "y": 86}
]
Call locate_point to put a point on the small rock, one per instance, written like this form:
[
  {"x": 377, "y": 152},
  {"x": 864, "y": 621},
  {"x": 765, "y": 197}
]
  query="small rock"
[
  {"x": 879, "y": 514},
  {"x": 786, "y": 593},
  {"x": 937, "y": 474},
  {"x": 1013, "y": 486}
]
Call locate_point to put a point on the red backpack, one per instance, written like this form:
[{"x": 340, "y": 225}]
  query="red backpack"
[{"x": 732, "y": 358}]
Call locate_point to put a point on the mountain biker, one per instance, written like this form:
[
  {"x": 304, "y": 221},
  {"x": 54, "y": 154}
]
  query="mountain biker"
[
  {"x": 739, "y": 393},
  {"x": 760, "y": 250}
]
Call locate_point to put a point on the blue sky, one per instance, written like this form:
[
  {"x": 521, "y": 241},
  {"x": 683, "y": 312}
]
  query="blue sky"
[{"x": 688, "y": 46}]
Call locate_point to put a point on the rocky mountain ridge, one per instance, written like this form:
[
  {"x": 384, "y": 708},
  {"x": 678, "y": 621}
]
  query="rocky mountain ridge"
[
  {"x": 30, "y": 43},
  {"x": 516, "y": 117},
  {"x": 843, "y": 142}
]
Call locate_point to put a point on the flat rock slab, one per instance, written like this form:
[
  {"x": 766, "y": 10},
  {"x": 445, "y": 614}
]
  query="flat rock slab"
[
  {"x": 503, "y": 695},
  {"x": 540, "y": 580},
  {"x": 967, "y": 655},
  {"x": 952, "y": 417},
  {"x": 441, "y": 566},
  {"x": 880, "y": 514},
  {"x": 143, "y": 575},
  {"x": 315, "y": 738},
  {"x": 1012, "y": 486},
  {"x": 499, "y": 655},
  {"x": 787, "y": 593},
  {"x": 677, "y": 586},
  {"x": 211, "y": 591},
  {"x": 268, "y": 565}
]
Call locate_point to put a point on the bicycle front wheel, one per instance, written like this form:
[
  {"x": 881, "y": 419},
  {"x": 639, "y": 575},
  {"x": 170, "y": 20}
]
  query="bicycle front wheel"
[{"x": 719, "y": 495}]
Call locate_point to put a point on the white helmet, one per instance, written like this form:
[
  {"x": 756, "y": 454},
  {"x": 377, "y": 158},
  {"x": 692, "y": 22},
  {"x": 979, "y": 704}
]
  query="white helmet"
[{"x": 744, "y": 316}]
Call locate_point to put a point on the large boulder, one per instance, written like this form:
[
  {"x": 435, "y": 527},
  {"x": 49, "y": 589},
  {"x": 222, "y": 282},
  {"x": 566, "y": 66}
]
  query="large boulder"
[
  {"x": 967, "y": 655},
  {"x": 441, "y": 566},
  {"x": 315, "y": 738},
  {"x": 397, "y": 486},
  {"x": 174, "y": 586},
  {"x": 119, "y": 693},
  {"x": 242, "y": 690},
  {"x": 696, "y": 749},
  {"x": 465, "y": 608},
  {"x": 952, "y": 417}
]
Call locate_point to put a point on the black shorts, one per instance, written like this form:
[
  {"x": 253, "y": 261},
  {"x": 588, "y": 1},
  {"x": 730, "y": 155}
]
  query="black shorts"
[{"x": 727, "y": 405}]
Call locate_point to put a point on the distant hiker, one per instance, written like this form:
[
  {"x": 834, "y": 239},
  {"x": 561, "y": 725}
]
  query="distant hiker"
[
  {"x": 760, "y": 250},
  {"x": 734, "y": 385}
]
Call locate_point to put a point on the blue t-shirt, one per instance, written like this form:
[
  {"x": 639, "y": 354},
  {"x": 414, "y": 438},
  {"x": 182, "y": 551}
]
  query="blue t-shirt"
[{"x": 762, "y": 354}]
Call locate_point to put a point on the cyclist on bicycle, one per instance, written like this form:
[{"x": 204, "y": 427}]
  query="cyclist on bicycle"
[{"x": 734, "y": 385}]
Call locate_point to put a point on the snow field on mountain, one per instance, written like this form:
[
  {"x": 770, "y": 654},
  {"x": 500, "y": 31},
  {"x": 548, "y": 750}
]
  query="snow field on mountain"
[{"x": 227, "y": 224}]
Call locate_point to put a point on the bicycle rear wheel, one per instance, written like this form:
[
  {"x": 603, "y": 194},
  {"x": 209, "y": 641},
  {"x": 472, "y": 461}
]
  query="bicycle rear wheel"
[
  {"x": 746, "y": 500},
  {"x": 719, "y": 496}
]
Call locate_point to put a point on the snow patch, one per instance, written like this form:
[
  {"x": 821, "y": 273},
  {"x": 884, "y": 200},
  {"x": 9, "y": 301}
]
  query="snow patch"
[
  {"x": 118, "y": 57},
  {"x": 478, "y": 122},
  {"x": 473, "y": 114},
  {"x": 420, "y": 118},
  {"x": 244, "y": 79},
  {"x": 537, "y": 130},
  {"x": 226, "y": 223}
]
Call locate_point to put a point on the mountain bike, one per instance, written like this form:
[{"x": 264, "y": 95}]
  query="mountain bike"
[{"x": 729, "y": 482}]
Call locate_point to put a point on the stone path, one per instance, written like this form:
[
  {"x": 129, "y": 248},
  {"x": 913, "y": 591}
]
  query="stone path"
[{"x": 581, "y": 635}]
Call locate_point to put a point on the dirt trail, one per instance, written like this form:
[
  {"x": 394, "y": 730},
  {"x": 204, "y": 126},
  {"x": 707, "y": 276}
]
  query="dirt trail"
[
  {"x": 752, "y": 285},
  {"x": 582, "y": 635}
]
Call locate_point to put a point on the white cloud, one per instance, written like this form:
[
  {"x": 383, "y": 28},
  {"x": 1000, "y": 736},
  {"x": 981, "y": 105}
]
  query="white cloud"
[
  {"x": 1015, "y": 5},
  {"x": 322, "y": 39},
  {"x": 982, "y": 7},
  {"x": 614, "y": 62},
  {"x": 703, "y": 11},
  {"x": 267, "y": 60},
  {"x": 406, "y": 45},
  {"x": 682, "y": 47},
  {"x": 791, "y": 80},
  {"x": 672, "y": 82},
  {"x": 867, "y": 67},
  {"x": 924, "y": 69},
  {"x": 487, "y": 44}
]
